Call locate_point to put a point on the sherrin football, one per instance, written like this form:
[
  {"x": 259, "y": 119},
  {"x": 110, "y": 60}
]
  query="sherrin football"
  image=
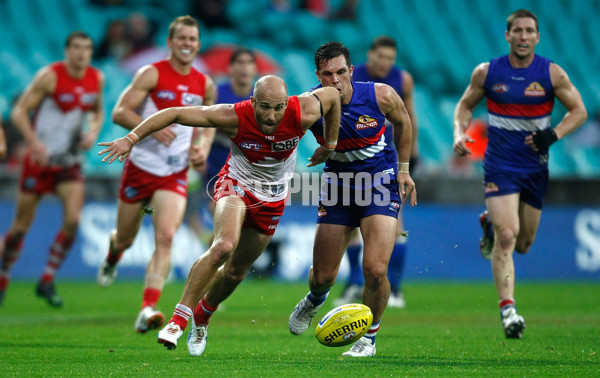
[{"x": 344, "y": 325}]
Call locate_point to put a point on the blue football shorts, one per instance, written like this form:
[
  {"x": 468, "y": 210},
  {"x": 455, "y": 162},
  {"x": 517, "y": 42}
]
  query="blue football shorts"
[{"x": 532, "y": 187}]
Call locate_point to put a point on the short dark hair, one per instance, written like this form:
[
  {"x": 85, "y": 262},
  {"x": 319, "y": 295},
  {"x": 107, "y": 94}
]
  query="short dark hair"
[
  {"x": 521, "y": 13},
  {"x": 186, "y": 20},
  {"x": 77, "y": 34},
  {"x": 383, "y": 41},
  {"x": 329, "y": 51},
  {"x": 241, "y": 51}
]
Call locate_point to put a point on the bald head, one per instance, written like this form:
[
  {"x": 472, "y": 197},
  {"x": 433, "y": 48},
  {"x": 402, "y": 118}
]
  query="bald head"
[
  {"x": 269, "y": 101},
  {"x": 270, "y": 86}
]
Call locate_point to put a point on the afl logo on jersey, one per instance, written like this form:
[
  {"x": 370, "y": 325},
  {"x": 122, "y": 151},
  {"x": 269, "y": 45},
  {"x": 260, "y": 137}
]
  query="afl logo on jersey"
[
  {"x": 66, "y": 97},
  {"x": 500, "y": 88},
  {"x": 365, "y": 122},
  {"x": 251, "y": 146},
  {"x": 535, "y": 90},
  {"x": 285, "y": 145},
  {"x": 166, "y": 95},
  {"x": 190, "y": 99}
]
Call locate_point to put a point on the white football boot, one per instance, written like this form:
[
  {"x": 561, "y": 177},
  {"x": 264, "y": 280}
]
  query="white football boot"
[
  {"x": 196, "y": 341},
  {"x": 169, "y": 335},
  {"x": 302, "y": 316},
  {"x": 352, "y": 294},
  {"x": 106, "y": 273},
  {"x": 513, "y": 323},
  {"x": 396, "y": 300},
  {"x": 361, "y": 348},
  {"x": 148, "y": 318}
]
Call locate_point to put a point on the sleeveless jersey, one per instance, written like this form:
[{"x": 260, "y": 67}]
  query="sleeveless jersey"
[
  {"x": 362, "y": 145},
  {"x": 59, "y": 118},
  {"x": 393, "y": 79},
  {"x": 225, "y": 95},
  {"x": 519, "y": 101},
  {"x": 172, "y": 89},
  {"x": 264, "y": 164}
]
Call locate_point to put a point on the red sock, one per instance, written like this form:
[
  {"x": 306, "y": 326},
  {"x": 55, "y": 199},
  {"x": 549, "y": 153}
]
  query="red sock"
[
  {"x": 151, "y": 297},
  {"x": 3, "y": 281},
  {"x": 203, "y": 312},
  {"x": 506, "y": 302},
  {"x": 58, "y": 252},
  {"x": 181, "y": 315},
  {"x": 113, "y": 255}
]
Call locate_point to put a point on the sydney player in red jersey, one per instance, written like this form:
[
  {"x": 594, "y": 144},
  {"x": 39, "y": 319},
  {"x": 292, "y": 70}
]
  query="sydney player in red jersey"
[
  {"x": 251, "y": 190},
  {"x": 61, "y": 95},
  {"x": 155, "y": 173},
  {"x": 520, "y": 88}
]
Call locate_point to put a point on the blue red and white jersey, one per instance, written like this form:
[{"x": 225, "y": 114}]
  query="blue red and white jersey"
[
  {"x": 519, "y": 101},
  {"x": 393, "y": 79},
  {"x": 264, "y": 164},
  {"x": 58, "y": 120},
  {"x": 362, "y": 145},
  {"x": 172, "y": 89}
]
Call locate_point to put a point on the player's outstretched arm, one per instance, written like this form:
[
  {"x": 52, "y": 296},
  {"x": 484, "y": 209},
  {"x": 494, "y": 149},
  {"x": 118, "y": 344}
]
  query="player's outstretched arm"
[
  {"x": 463, "y": 113},
  {"x": 322, "y": 102},
  {"x": 221, "y": 116}
]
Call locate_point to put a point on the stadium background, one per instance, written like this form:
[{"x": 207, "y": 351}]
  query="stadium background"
[{"x": 440, "y": 42}]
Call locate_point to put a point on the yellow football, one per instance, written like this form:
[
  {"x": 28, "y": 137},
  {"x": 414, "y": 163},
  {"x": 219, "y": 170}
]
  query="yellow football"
[{"x": 344, "y": 325}]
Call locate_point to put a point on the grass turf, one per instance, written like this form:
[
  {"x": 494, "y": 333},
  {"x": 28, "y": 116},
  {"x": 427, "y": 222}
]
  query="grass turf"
[{"x": 447, "y": 329}]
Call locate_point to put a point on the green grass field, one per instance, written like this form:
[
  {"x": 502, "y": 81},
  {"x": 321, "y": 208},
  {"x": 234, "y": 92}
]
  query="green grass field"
[{"x": 447, "y": 329}]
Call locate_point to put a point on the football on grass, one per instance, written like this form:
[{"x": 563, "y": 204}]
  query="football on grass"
[{"x": 344, "y": 325}]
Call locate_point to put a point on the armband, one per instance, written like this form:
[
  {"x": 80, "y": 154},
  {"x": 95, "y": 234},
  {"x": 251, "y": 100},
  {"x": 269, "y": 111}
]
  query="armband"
[
  {"x": 330, "y": 145},
  {"x": 131, "y": 140}
]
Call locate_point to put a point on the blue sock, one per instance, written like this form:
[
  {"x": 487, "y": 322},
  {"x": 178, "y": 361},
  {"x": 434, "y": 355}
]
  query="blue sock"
[
  {"x": 356, "y": 274},
  {"x": 372, "y": 332},
  {"x": 396, "y": 266},
  {"x": 317, "y": 298}
]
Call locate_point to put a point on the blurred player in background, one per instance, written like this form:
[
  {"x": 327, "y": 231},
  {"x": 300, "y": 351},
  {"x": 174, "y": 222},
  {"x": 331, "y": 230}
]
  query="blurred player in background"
[
  {"x": 380, "y": 68},
  {"x": 155, "y": 174},
  {"x": 61, "y": 95},
  {"x": 2, "y": 142},
  {"x": 520, "y": 88},
  {"x": 250, "y": 193},
  {"x": 365, "y": 182}
]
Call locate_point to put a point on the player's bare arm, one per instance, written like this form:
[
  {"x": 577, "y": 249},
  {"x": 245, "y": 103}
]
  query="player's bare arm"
[
  {"x": 2, "y": 141},
  {"x": 203, "y": 137},
  {"x": 96, "y": 120},
  {"x": 569, "y": 96},
  {"x": 329, "y": 102},
  {"x": 221, "y": 116},
  {"x": 42, "y": 86},
  {"x": 463, "y": 113},
  {"x": 393, "y": 107},
  {"x": 409, "y": 102}
]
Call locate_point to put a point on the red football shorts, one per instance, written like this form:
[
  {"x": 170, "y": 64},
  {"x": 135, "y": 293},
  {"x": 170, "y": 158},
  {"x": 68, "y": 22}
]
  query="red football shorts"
[
  {"x": 260, "y": 215},
  {"x": 43, "y": 180},
  {"x": 139, "y": 185}
]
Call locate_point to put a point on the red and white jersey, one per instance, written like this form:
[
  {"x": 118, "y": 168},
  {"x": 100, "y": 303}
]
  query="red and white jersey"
[
  {"x": 172, "y": 89},
  {"x": 59, "y": 118},
  {"x": 264, "y": 164}
]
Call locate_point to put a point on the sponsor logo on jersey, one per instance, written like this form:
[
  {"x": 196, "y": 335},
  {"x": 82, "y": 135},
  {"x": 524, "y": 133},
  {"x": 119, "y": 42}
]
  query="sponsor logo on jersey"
[
  {"x": 190, "y": 99},
  {"x": 490, "y": 187},
  {"x": 365, "y": 122},
  {"x": 166, "y": 95},
  {"x": 182, "y": 87},
  {"x": 88, "y": 98},
  {"x": 285, "y": 145},
  {"x": 272, "y": 226},
  {"x": 500, "y": 88},
  {"x": 66, "y": 97},
  {"x": 276, "y": 218},
  {"x": 535, "y": 90},
  {"x": 275, "y": 189},
  {"x": 270, "y": 137},
  {"x": 239, "y": 190},
  {"x": 252, "y": 146},
  {"x": 395, "y": 206},
  {"x": 517, "y": 78}
]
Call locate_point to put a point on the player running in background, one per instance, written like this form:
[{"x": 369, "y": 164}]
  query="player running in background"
[
  {"x": 520, "y": 88},
  {"x": 250, "y": 193},
  {"x": 61, "y": 96},
  {"x": 155, "y": 173},
  {"x": 365, "y": 182},
  {"x": 380, "y": 68}
]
